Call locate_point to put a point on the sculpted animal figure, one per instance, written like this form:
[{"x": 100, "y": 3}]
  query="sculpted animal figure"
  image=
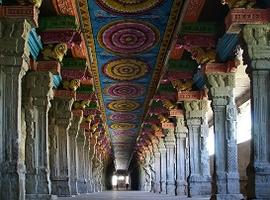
[
  {"x": 36, "y": 3},
  {"x": 203, "y": 56},
  {"x": 168, "y": 104},
  {"x": 182, "y": 85},
  {"x": 163, "y": 119},
  {"x": 72, "y": 84},
  {"x": 56, "y": 52},
  {"x": 81, "y": 104},
  {"x": 239, "y": 3}
]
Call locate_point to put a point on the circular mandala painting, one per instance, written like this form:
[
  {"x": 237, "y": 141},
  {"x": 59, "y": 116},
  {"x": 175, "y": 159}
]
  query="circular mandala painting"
[
  {"x": 123, "y": 105},
  {"x": 125, "y": 90},
  {"x": 123, "y": 117},
  {"x": 125, "y": 69},
  {"x": 128, "y": 6},
  {"x": 122, "y": 126},
  {"x": 128, "y": 37}
]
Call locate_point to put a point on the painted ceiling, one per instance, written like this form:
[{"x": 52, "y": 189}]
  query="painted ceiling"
[{"x": 129, "y": 42}]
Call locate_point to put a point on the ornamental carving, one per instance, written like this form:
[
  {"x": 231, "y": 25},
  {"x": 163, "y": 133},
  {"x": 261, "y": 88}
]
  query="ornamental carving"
[
  {"x": 221, "y": 80},
  {"x": 125, "y": 69},
  {"x": 257, "y": 38},
  {"x": 36, "y": 3},
  {"x": 196, "y": 105},
  {"x": 128, "y": 37},
  {"x": 64, "y": 7},
  {"x": 128, "y": 7}
]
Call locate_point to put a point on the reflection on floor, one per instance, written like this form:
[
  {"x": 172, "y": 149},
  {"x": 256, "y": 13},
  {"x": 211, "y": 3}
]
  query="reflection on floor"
[{"x": 127, "y": 195}]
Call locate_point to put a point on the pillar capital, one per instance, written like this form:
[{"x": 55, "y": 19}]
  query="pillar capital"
[
  {"x": 257, "y": 38},
  {"x": 14, "y": 49},
  {"x": 196, "y": 108},
  {"x": 180, "y": 130}
]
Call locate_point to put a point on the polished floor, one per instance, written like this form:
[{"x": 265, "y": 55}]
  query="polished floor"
[{"x": 127, "y": 195}]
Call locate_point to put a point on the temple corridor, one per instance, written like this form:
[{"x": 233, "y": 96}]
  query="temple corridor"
[
  {"x": 165, "y": 99},
  {"x": 127, "y": 195}
]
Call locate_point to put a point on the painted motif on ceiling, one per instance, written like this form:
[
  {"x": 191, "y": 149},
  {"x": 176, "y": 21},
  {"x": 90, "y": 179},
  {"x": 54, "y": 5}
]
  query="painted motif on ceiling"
[{"x": 131, "y": 38}]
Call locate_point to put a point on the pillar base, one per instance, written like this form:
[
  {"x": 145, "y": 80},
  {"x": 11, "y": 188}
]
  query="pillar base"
[
  {"x": 74, "y": 187},
  {"x": 61, "y": 187},
  {"x": 227, "y": 197},
  {"x": 199, "y": 186},
  {"x": 162, "y": 187},
  {"x": 180, "y": 188},
  {"x": 157, "y": 188},
  {"x": 170, "y": 188},
  {"x": 259, "y": 181},
  {"x": 89, "y": 186},
  {"x": 40, "y": 197},
  {"x": 82, "y": 187}
]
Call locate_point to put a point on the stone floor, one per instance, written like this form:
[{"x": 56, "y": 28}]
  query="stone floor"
[{"x": 127, "y": 195}]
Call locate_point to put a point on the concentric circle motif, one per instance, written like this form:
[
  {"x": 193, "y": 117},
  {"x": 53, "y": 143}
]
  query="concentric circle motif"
[
  {"x": 120, "y": 133},
  {"x": 128, "y": 6},
  {"x": 123, "y": 105},
  {"x": 123, "y": 117},
  {"x": 128, "y": 37},
  {"x": 125, "y": 90},
  {"x": 122, "y": 126},
  {"x": 125, "y": 69}
]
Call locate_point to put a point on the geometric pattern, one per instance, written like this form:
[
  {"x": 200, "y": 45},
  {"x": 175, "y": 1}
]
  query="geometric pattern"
[
  {"x": 122, "y": 126},
  {"x": 123, "y": 105},
  {"x": 125, "y": 90},
  {"x": 123, "y": 117},
  {"x": 125, "y": 69},
  {"x": 128, "y": 37}
]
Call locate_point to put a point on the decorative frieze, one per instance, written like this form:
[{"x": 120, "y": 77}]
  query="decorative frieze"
[
  {"x": 238, "y": 17},
  {"x": 21, "y": 12}
]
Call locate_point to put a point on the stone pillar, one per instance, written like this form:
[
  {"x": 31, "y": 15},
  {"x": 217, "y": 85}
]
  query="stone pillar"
[
  {"x": 151, "y": 167},
  {"x": 14, "y": 61},
  {"x": 157, "y": 166},
  {"x": 73, "y": 133},
  {"x": 146, "y": 168},
  {"x": 170, "y": 159},
  {"x": 91, "y": 157},
  {"x": 163, "y": 166},
  {"x": 258, "y": 45},
  {"x": 199, "y": 180},
  {"x": 226, "y": 176},
  {"x": 86, "y": 160},
  {"x": 93, "y": 142},
  {"x": 81, "y": 162},
  {"x": 60, "y": 117},
  {"x": 181, "y": 134},
  {"x": 37, "y": 98}
]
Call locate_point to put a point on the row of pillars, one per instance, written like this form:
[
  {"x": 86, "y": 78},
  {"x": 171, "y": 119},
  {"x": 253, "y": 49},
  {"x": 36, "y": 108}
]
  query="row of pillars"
[
  {"x": 178, "y": 164},
  {"x": 43, "y": 151}
]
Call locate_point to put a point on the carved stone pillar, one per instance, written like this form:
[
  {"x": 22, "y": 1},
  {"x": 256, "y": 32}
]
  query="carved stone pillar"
[
  {"x": 199, "y": 180},
  {"x": 73, "y": 133},
  {"x": 60, "y": 117},
  {"x": 162, "y": 150},
  {"x": 14, "y": 55},
  {"x": 93, "y": 142},
  {"x": 146, "y": 168},
  {"x": 80, "y": 162},
  {"x": 91, "y": 157},
  {"x": 86, "y": 160},
  {"x": 152, "y": 168},
  {"x": 226, "y": 176},
  {"x": 157, "y": 166},
  {"x": 181, "y": 134},
  {"x": 170, "y": 159},
  {"x": 258, "y": 45},
  {"x": 38, "y": 94}
]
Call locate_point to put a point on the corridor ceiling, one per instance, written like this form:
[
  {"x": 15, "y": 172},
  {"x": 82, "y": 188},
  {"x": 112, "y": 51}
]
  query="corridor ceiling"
[{"x": 129, "y": 43}]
